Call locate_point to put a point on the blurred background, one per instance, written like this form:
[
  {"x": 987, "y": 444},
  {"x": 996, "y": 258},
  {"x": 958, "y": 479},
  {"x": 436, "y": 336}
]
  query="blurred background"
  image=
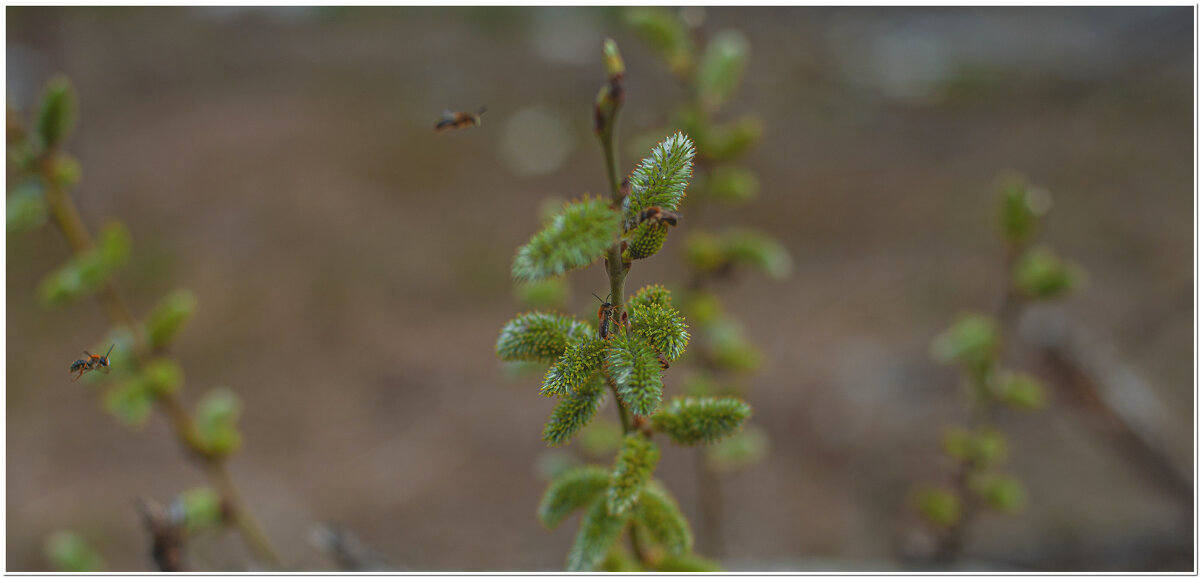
[{"x": 352, "y": 270}]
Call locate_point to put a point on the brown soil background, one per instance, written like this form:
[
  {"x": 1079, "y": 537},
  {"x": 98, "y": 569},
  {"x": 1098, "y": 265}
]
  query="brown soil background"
[{"x": 352, "y": 270}]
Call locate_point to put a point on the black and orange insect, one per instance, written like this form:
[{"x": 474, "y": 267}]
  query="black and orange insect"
[
  {"x": 456, "y": 120},
  {"x": 659, "y": 215},
  {"x": 606, "y": 313},
  {"x": 92, "y": 362}
]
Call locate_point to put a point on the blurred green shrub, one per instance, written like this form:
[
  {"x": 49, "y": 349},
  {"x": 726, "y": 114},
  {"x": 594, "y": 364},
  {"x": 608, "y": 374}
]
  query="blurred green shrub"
[
  {"x": 138, "y": 378},
  {"x": 976, "y": 343},
  {"x": 711, "y": 72}
]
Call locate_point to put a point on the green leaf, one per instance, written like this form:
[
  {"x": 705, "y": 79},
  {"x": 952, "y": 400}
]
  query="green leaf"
[
  {"x": 956, "y": 442},
  {"x": 69, "y": 552},
  {"x": 722, "y": 67},
  {"x": 82, "y": 275},
  {"x": 983, "y": 447},
  {"x": 634, "y": 466},
  {"x": 634, "y": 367},
  {"x": 168, "y": 317},
  {"x": 658, "y": 513},
  {"x": 687, "y": 563},
  {"x": 742, "y": 449},
  {"x": 548, "y": 293},
  {"x": 539, "y": 336},
  {"x": 114, "y": 243},
  {"x": 130, "y": 402},
  {"x": 578, "y": 363},
  {"x": 576, "y": 237},
  {"x": 758, "y": 250},
  {"x": 650, "y": 295},
  {"x": 692, "y": 420},
  {"x": 939, "y": 506},
  {"x": 1021, "y": 391},
  {"x": 27, "y": 208},
  {"x": 216, "y": 421},
  {"x": 661, "y": 179},
  {"x": 1021, "y": 209},
  {"x": 201, "y": 509},
  {"x": 574, "y": 412},
  {"x": 57, "y": 116},
  {"x": 597, "y": 534},
  {"x": 571, "y": 491},
  {"x": 1003, "y": 493},
  {"x": 662, "y": 327},
  {"x": 988, "y": 447},
  {"x": 65, "y": 172},
  {"x": 665, "y": 33},
  {"x": 973, "y": 341},
  {"x": 614, "y": 65},
  {"x": 87, "y": 272},
  {"x": 732, "y": 184},
  {"x": 162, "y": 375},
  {"x": 1040, "y": 274}
]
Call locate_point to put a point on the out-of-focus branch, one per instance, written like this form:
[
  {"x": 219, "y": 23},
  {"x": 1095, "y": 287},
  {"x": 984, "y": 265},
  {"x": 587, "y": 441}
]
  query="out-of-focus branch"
[
  {"x": 347, "y": 551},
  {"x": 1124, "y": 405},
  {"x": 166, "y": 536},
  {"x": 66, "y": 217}
]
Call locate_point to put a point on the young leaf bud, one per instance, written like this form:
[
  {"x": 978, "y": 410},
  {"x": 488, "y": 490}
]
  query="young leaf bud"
[{"x": 57, "y": 116}]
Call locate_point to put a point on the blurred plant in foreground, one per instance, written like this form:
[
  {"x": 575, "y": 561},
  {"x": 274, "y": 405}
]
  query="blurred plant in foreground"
[
  {"x": 143, "y": 377},
  {"x": 635, "y": 340},
  {"x": 976, "y": 343},
  {"x": 722, "y": 357},
  {"x": 70, "y": 552}
]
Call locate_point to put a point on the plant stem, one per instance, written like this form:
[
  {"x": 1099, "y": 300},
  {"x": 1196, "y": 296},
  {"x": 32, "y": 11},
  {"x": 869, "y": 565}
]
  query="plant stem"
[
  {"x": 709, "y": 493},
  {"x": 66, "y": 217},
  {"x": 608, "y": 143},
  {"x": 1008, "y": 311},
  {"x": 626, "y": 424},
  {"x": 245, "y": 522},
  {"x": 617, "y": 270}
]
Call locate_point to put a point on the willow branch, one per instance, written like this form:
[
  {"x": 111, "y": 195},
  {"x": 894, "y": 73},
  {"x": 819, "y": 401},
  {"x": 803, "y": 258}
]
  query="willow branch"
[
  {"x": 67, "y": 219},
  {"x": 1008, "y": 311},
  {"x": 608, "y": 108}
]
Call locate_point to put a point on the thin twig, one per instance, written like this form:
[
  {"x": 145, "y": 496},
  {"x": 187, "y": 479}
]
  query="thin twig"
[
  {"x": 166, "y": 536},
  {"x": 1008, "y": 311},
  {"x": 66, "y": 217}
]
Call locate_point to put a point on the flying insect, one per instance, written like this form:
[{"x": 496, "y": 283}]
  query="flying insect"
[
  {"x": 92, "y": 362},
  {"x": 456, "y": 120}
]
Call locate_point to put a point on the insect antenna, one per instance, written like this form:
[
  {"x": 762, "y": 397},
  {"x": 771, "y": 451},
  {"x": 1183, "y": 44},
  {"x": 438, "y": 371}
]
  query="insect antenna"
[{"x": 110, "y": 348}]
